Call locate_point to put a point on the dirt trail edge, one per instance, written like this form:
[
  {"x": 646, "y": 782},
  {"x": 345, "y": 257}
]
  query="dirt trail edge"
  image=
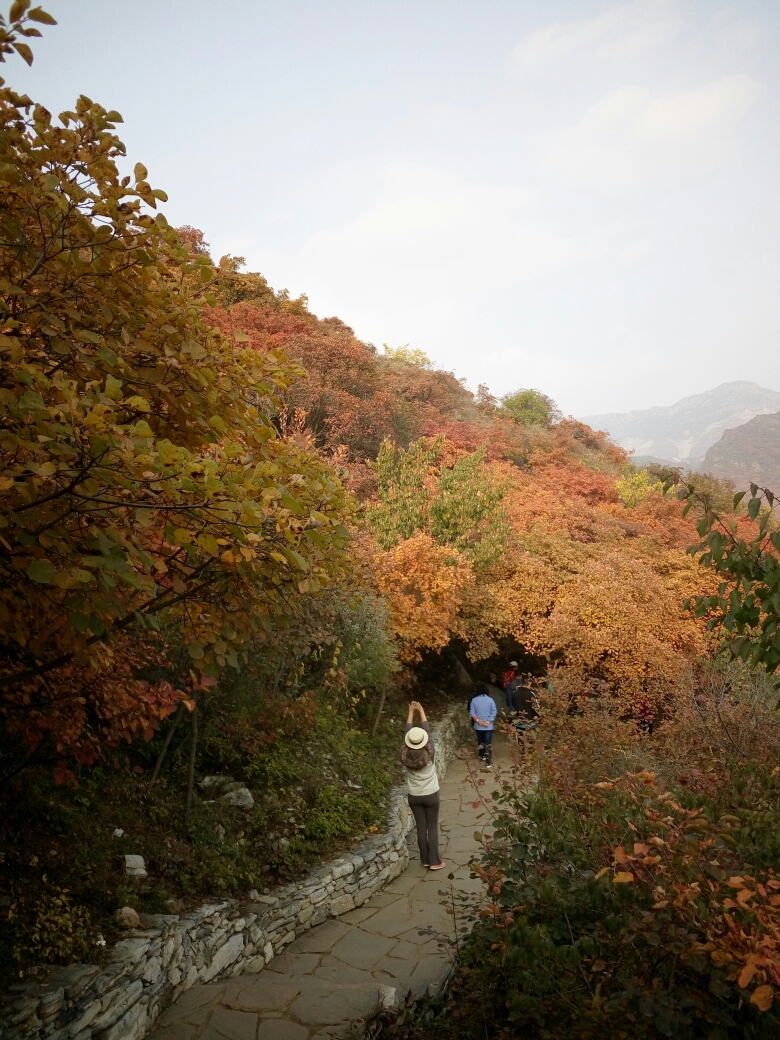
[{"x": 336, "y": 975}]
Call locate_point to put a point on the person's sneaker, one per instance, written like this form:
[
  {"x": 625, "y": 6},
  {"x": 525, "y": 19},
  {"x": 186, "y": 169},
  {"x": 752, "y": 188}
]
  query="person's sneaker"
[
  {"x": 437, "y": 866},
  {"x": 487, "y": 766}
]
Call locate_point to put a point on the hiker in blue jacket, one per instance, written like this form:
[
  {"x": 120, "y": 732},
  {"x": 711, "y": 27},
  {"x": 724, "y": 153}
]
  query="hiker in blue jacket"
[{"x": 483, "y": 712}]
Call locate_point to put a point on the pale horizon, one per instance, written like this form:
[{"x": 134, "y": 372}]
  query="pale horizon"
[{"x": 579, "y": 197}]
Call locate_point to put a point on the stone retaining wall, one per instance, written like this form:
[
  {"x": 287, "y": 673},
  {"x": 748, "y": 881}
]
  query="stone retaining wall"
[{"x": 154, "y": 964}]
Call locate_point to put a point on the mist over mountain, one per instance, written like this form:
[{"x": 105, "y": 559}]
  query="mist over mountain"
[{"x": 682, "y": 433}]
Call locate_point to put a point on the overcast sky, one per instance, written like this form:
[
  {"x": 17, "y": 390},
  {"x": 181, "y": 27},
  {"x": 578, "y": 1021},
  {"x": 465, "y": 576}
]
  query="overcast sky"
[{"x": 574, "y": 195}]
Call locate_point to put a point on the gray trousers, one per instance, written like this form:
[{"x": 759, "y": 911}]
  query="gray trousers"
[{"x": 425, "y": 809}]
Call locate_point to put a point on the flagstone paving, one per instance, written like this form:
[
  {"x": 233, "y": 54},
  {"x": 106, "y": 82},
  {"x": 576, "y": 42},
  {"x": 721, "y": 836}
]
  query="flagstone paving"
[{"x": 341, "y": 971}]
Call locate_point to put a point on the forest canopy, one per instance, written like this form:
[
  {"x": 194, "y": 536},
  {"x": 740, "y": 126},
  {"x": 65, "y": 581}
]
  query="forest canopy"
[{"x": 216, "y": 505}]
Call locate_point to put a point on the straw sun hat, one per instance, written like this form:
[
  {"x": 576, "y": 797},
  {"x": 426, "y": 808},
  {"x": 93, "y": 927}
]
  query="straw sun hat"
[{"x": 416, "y": 738}]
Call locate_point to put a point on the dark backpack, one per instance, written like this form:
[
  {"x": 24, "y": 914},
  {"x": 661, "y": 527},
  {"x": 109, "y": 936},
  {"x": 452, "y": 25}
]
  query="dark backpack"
[{"x": 523, "y": 696}]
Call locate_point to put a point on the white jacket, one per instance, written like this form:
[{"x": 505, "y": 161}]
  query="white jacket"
[{"x": 423, "y": 781}]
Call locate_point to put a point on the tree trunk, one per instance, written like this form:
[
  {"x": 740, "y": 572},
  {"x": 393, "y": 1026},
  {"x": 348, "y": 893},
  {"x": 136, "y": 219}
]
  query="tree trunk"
[
  {"x": 191, "y": 773},
  {"x": 168, "y": 735},
  {"x": 379, "y": 710}
]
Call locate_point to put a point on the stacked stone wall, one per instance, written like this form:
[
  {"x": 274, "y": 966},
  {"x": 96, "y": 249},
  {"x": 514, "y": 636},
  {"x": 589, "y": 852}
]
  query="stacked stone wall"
[{"x": 149, "y": 968}]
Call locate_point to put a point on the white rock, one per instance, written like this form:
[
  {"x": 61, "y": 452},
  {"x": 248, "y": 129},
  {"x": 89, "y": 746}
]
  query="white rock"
[
  {"x": 135, "y": 866},
  {"x": 153, "y": 970},
  {"x": 387, "y": 998},
  {"x": 216, "y": 781},
  {"x": 241, "y": 798},
  {"x": 224, "y": 956}
]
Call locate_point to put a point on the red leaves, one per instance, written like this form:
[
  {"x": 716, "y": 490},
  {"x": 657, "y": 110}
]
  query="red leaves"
[{"x": 735, "y": 921}]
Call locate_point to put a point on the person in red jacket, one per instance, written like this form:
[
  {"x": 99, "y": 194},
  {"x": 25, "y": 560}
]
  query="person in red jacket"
[{"x": 509, "y": 675}]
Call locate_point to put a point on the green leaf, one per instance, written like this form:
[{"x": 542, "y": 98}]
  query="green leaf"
[
  {"x": 142, "y": 429},
  {"x": 113, "y": 388},
  {"x": 41, "y": 571},
  {"x": 209, "y": 543},
  {"x": 754, "y": 505}
]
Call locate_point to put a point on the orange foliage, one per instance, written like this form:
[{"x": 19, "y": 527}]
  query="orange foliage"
[
  {"x": 582, "y": 579},
  {"x": 425, "y": 585},
  {"x": 620, "y": 620},
  {"x": 78, "y": 710}
]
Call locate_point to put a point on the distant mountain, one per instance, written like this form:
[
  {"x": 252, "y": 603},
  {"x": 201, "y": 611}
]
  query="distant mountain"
[
  {"x": 682, "y": 433},
  {"x": 748, "y": 454}
]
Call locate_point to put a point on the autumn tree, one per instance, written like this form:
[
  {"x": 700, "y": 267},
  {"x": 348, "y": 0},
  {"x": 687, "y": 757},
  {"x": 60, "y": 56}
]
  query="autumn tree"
[
  {"x": 142, "y": 477},
  {"x": 425, "y": 585},
  {"x": 530, "y": 408},
  {"x": 457, "y": 504}
]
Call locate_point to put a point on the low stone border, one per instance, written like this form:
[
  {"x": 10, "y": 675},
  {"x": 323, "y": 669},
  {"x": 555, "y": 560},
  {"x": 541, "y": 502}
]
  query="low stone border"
[{"x": 153, "y": 965}]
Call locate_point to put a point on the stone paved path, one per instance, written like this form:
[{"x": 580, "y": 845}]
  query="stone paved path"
[{"x": 336, "y": 973}]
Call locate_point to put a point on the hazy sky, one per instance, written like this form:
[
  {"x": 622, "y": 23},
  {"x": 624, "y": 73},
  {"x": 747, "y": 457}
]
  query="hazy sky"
[{"x": 578, "y": 196}]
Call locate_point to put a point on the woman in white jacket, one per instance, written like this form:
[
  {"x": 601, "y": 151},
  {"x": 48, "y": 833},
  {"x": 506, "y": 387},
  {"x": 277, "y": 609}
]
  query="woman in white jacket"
[{"x": 418, "y": 757}]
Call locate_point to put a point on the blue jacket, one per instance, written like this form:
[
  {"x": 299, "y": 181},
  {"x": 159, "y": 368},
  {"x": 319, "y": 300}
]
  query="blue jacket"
[{"x": 484, "y": 707}]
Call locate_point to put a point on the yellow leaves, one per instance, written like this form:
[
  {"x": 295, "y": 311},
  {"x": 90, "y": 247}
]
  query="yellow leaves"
[
  {"x": 762, "y": 997},
  {"x": 98, "y": 414},
  {"x": 747, "y": 974},
  {"x": 6, "y": 483},
  {"x": 601, "y": 873},
  {"x": 623, "y": 877},
  {"x": 138, "y": 404}
]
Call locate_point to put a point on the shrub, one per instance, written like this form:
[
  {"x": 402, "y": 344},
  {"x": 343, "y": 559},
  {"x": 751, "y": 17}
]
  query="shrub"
[
  {"x": 47, "y": 927},
  {"x": 646, "y": 904}
]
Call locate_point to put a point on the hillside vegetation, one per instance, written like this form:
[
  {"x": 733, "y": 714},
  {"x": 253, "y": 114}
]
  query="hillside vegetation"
[
  {"x": 230, "y": 532},
  {"x": 748, "y": 453}
]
